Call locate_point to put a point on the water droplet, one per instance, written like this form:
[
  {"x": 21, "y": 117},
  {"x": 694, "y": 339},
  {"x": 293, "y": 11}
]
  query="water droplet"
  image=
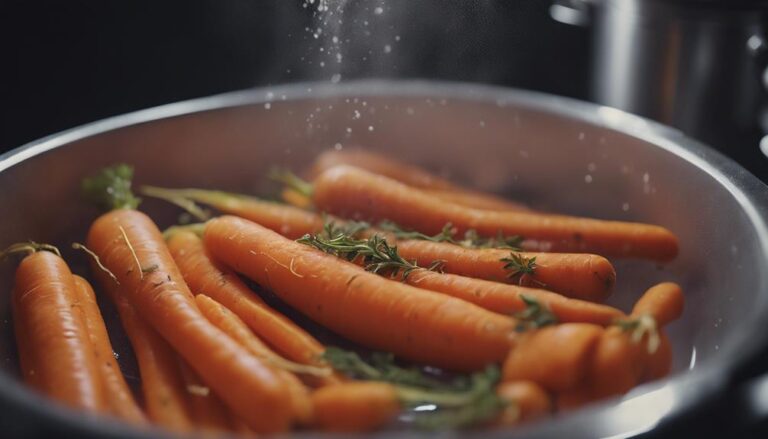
[
  {"x": 370, "y": 127},
  {"x": 335, "y": 39},
  {"x": 349, "y": 129},
  {"x": 378, "y": 10},
  {"x": 267, "y": 106},
  {"x": 587, "y": 179},
  {"x": 387, "y": 48},
  {"x": 322, "y": 63},
  {"x": 336, "y": 78},
  {"x": 338, "y": 146},
  {"x": 397, "y": 37}
]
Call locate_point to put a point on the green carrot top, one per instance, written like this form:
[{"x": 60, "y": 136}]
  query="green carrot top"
[{"x": 110, "y": 188}]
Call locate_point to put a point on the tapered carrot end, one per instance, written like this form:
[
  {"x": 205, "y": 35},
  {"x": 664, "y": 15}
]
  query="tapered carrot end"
[{"x": 664, "y": 302}]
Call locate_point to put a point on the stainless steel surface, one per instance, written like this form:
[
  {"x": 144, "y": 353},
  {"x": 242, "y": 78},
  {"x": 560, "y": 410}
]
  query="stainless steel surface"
[
  {"x": 687, "y": 64},
  {"x": 554, "y": 153}
]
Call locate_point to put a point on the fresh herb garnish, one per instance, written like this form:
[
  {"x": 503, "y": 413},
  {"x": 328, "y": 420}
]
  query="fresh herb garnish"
[
  {"x": 111, "y": 188},
  {"x": 471, "y": 238},
  {"x": 378, "y": 256},
  {"x": 445, "y": 235},
  {"x": 291, "y": 181},
  {"x": 534, "y": 316},
  {"x": 519, "y": 265},
  {"x": 460, "y": 402}
]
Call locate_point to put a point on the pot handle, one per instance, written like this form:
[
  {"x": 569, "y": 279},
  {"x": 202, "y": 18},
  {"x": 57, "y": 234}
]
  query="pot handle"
[{"x": 573, "y": 12}]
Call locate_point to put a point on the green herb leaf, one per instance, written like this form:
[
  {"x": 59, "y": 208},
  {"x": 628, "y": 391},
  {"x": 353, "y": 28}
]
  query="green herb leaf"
[
  {"x": 534, "y": 316},
  {"x": 461, "y": 402},
  {"x": 445, "y": 235},
  {"x": 111, "y": 188},
  {"x": 519, "y": 265},
  {"x": 291, "y": 180}
]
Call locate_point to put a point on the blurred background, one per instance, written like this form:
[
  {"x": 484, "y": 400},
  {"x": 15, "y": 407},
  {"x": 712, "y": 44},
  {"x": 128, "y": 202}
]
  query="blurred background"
[{"x": 697, "y": 64}]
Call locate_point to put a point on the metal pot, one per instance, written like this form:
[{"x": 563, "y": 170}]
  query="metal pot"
[{"x": 554, "y": 153}]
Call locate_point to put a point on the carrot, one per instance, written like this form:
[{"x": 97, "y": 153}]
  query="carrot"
[
  {"x": 161, "y": 384},
  {"x": 52, "y": 332},
  {"x": 209, "y": 414},
  {"x": 204, "y": 275},
  {"x": 130, "y": 245},
  {"x": 659, "y": 363},
  {"x": 228, "y": 322},
  {"x": 554, "y": 357},
  {"x": 26, "y": 353},
  {"x": 290, "y": 221},
  {"x": 508, "y": 299},
  {"x": 118, "y": 394},
  {"x": 411, "y": 176},
  {"x": 422, "y": 326},
  {"x": 354, "y": 406},
  {"x": 616, "y": 365},
  {"x": 580, "y": 276},
  {"x": 353, "y": 193},
  {"x": 664, "y": 302},
  {"x": 525, "y": 400}
]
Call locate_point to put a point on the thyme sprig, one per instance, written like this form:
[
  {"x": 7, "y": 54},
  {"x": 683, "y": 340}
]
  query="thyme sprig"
[
  {"x": 460, "y": 402},
  {"x": 378, "y": 256},
  {"x": 445, "y": 235},
  {"x": 291, "y": 181},
  {"x": 534, "y": 316},
  {"x": 471, "y": 238},
  {"x": 519, "y": 265}
]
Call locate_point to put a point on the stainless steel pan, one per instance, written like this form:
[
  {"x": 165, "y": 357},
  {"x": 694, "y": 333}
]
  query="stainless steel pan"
[{"x": 553, "y": 153}]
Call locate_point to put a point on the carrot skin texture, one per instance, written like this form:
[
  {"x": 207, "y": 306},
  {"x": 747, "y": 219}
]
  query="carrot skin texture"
[
  {"x": 209, "y": 414},
  {"x": 55, "y": 333},
  {"x": 412, "y": 176},
  {"x": 527, "y": 401},
  {"x": 353, "y": 193},
  {"x": 354, "y": 407},
  {"x": 506, "y": 299},
  {"x": 575, "y": 275},
  {"x": 118, "y": 394},
  {"x": 162, "y": 387},
  {"x": 664, "y": 302},
  {"x": 554, "y": 357},
  {"x": 157, "y": 289},
  {"x": 230, "y": 324},
  {"x": 423, "y": 326},
  {"x": 27, "y": 358},
  {"x": 206, "y": 276}
]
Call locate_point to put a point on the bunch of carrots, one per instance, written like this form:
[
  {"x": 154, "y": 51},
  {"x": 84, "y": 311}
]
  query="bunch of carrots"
[{"x": 462, "y": 308}]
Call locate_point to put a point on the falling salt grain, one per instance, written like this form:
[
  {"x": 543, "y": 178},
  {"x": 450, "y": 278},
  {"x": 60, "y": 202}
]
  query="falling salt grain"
[
  {"x": 356, "y": 115},
  {"x": 338, "y": 146},
  {"x": 591, "y": 167},
  {"x": 335, "y": 78},
  {"x": 409, "y": 111},
  {"x": 625, "y": 207},
  {"x": 370, "y": 127},
  {"x": 587, "y": 178},
  {"x": 267, "y": 105},
  {"x": 378, "y": 10},
  {"x": 349, "y": 130},
  {"x": 581, "y": 136}
]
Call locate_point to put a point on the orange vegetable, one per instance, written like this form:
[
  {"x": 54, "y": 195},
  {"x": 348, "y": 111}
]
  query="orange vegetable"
[
  {"x": 209, "y": 414},
  {"x": 555, "y": 357},
  {"x": 161, "y": 383},
  {"x": 356, "y": 406},
  {"x": 412, "y": 176},
  {"x": 576, "y": 275},
  {"x": 421, "y": 325},
  {"x": 507, "y": 299},
  {"x": 353, "y": 193},
  {"x": 204, "y": 275},
  {"x": 664, "y": 302},
  {"x": 57, "y": 355},
  {"x": 130, "y": 246},
  {"x": 526, "y": 401},
  {"x": 118, "y": 394}
]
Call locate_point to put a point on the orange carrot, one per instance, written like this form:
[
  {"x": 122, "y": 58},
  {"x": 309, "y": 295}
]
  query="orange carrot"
[
  {"x": 422, "y": 326},
  {"x": 526, "y": 401},
  {"x": 130, "y": 246},
  {"x": 26, "y": 353},
  {"x": 664, "y": 302},
  {"x": 616, "y": 366},
  {"x": 554, "y": 357},
  {"x": 580, "y": 276},
  {"x": 353, "y": 193},
  {"x": 204, "y": 275},
  {"x": 209, "y": 414},
  {"x": 228, "y": 322},
  {"x": 52, "y": 331},
  {"x": 290, "y": 221},
  {"x": 412, "y": 176},
  {"x": 356, "y": 406},
  {"x": 118, "y": 394},
  {"x": 161, "y": 384},
  {"x": 508, "y": 299}
]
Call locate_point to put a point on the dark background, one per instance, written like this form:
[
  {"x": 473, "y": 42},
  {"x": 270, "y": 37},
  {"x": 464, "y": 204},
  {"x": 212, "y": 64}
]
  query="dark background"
[{"x": 67, "y": 63}]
